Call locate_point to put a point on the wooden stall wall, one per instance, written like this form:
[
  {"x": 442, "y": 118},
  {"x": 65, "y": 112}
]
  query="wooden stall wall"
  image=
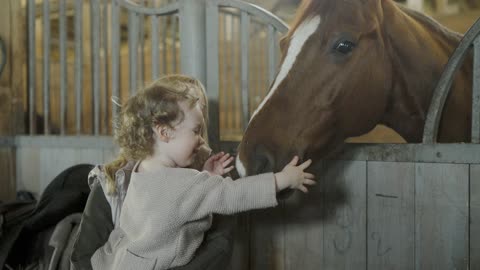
[
  {"x": 374, "y": 215},
  {"x": 40, "y": 159},
  {"x": 12, "y": 82}
]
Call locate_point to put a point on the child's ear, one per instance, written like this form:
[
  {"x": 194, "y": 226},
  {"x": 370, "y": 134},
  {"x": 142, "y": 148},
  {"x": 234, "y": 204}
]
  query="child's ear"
[{"x": 163, "y": 132}]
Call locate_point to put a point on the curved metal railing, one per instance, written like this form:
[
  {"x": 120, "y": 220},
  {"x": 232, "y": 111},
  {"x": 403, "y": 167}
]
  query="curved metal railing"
[
  {"x": 167, "y": 9},
  {"x": 442, "y": 89},
  {"x": 247, "y": 13},
  {"x": 258, "y": 12}
]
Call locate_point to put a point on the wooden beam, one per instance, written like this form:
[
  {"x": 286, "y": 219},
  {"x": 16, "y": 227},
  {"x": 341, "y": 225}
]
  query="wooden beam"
[{"x": 12, "y": 86}]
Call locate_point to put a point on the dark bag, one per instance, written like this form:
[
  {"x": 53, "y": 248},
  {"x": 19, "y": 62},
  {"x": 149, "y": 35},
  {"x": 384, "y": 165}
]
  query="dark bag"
[
  {"x": 12, "y": 218},
  {"x": 65, "y": 195}
]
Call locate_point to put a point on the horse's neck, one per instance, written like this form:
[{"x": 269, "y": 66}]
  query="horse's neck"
[{"x": 419, "y": 48}]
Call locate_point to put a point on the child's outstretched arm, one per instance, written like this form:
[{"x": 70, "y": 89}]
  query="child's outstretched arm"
[
  {"x": 215, "y": 194},
  {"x": 293, "y": 176}
]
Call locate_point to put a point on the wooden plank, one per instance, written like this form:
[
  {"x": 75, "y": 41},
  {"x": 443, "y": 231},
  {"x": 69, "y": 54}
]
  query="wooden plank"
[
  {"x": 391, "y": 213},
  {"x": 109, "y": 154},
  {"x": 345, "y": 224},
  {"x": 304, "y": 217},
  {"x": 37, "y": 166},
  {"x": 267, "y": 241},
  {"x": 475, "y": 216},
  {"x": 241, "y": 240},
  {"x": 54, "y": 160},
  {"x": 7, "y": 182},
  {"x": 441, "y": 216},
  {"x": 89, "y": 155},
  {"x": 18, "y": 49},
  {"x": 11, "y": 82},
  {"x": 27, "y": 170},
  {"x": 6, "y": 34},
  {"x": 5, "y": 82},
  {"x": 5, "y": 111}
]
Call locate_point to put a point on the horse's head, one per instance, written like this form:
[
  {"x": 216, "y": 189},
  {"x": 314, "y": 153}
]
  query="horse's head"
[{"x": 334, "y": 66}]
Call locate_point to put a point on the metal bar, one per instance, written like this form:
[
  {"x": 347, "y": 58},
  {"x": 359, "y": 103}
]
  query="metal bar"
[
  {"x": 476, "y": 93},
  {"x": 141, "y": 58},
  {"x": 154, "y": 21},
  {"x": 234, "y": 97},
  {"x": 258, "y": 77},
  {"x": 115, "y": 58},
  {"x": 167, "y": 9},
  {"x": 105, "y": 27},
  {"x": 259, "y": 13},
  {"x": 164, "y": 45},
  {"x": 236, "y": 12},
  {"x": 95, "y": 8},
  {"x": 46, "y": 66},
  {"x": 272, "y": 61},
  {"x": 173, "y": 29},
  {"x": 78, "y": 64},
  {"x": 244, "y": 45},
  {"x": 211, "y": 16},
  {"x": 225, "y": 90},
  {"x": 31, "y": 67},
  {"x": 132, "y": 49},
  {"x": 192, "y": 34},
  {"x": 444, "y": 84},
  {"x": 155, "y": 49},
  {"x": 63, "y": 67}
]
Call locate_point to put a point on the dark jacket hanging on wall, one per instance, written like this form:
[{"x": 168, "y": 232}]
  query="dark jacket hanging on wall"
[{"x": 65, "y": 195}]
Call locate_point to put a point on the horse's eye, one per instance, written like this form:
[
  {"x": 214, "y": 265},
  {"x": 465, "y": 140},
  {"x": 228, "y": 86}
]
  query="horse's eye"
[{"x": 344, "y": 46}]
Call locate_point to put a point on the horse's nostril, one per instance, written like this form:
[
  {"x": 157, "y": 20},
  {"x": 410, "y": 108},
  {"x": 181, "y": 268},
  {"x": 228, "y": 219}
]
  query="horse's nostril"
[{"x": 263, "y": 160}]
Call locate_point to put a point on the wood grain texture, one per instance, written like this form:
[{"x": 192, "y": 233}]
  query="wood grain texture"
[
  {"x": 391, "y": 217},
  {"x": 441, "y": 216}
]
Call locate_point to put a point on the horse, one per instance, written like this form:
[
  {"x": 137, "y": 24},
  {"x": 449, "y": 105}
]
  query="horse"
[{"x": 347, "y": 66}]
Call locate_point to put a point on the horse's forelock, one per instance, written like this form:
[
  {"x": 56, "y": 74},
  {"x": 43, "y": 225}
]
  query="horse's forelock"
[
  {"x": 312, "y": 8},
  {"x": 306, "y": 9}
]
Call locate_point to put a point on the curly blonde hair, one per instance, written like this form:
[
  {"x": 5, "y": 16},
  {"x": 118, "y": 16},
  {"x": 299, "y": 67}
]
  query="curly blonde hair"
[{"x": 156, "y": 104}]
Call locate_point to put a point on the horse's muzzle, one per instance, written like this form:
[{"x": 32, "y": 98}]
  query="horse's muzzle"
[{"x": 262, "y": 160}]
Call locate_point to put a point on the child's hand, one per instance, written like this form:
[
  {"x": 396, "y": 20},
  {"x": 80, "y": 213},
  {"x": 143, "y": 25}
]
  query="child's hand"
[
  {"x": 218, "y": 164},
  {"x": 293, "y": 176}
]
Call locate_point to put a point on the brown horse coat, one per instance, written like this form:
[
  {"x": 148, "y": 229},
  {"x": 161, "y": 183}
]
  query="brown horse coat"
[{"x": 346, "y": 67}]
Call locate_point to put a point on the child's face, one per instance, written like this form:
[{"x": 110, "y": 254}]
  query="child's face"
[{"x": 186, "y": 138}]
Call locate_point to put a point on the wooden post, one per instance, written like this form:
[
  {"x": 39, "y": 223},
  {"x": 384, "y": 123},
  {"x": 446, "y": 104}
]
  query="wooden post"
[{"x": 12, "y": 85}]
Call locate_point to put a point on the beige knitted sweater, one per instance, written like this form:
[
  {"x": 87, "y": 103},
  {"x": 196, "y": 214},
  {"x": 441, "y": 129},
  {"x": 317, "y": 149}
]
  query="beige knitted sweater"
[{"x": 166, "y": 213}]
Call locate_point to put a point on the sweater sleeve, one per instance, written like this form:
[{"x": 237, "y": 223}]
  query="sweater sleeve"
[{"x": 215, "y": 194}]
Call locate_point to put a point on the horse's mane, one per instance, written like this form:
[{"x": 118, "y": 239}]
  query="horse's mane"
[
  {"x": 308, "y": 7},
  {"x": 305, "y": 9},
  {"x": 432, "y": 24}
]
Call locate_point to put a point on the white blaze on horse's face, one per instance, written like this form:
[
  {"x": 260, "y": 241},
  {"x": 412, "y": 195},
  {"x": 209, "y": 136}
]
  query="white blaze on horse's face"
[{"x": 301, "y": 35}]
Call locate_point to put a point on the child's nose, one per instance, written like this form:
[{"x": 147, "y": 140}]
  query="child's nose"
[{"x": 202, "y": 141}]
